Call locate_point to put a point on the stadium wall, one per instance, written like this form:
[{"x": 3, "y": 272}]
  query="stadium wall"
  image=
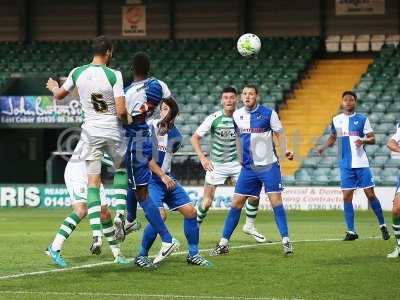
[
  {"x": 294, "y": 198},
  {"x": 73, "y": 20},
  {"x": 389, "y": 23}
]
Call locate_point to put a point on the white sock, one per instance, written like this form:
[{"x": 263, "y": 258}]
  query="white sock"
[
  {"x": 250, "y": 221},
  {"x": 115, "y": 251},
  {"x": 58, "y": 242},
  {"x": 223, "y": 242}
]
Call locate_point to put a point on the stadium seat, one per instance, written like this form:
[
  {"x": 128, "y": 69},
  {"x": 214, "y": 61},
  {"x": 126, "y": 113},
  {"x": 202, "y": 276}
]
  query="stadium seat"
[
  {"x": 377, "y": 41},
  {"x": 362, "y": 43},
  {"x": 332, "y": 43},
  {"x": 347, "y": 43}
]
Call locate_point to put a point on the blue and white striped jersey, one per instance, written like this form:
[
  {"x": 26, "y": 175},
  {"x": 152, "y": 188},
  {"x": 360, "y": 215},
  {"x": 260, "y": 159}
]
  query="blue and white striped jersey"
[
  {"x": 255, "y": 130},
  {"x": 165, "y": 146},
  {"x": 396, "y": 136},
  {"x": 348, "y": 129},
  {"x": 137, "y": 95}
]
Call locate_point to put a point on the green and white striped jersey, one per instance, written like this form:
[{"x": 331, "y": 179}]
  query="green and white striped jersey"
[
  {"x": 223, "y": 137},
  {"x": 98, "y": 86}
]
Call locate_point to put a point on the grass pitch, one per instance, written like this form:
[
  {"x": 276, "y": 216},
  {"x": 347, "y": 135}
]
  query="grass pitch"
[{"x": 322, "y": 267}]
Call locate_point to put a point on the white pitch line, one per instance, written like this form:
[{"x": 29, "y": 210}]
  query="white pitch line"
[
  {"x": 157, "y": 296},
  {"x": 87, "y": 266}
]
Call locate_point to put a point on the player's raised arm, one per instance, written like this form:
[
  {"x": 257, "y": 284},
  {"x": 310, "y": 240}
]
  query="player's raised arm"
[
  {"x": 196, "y": 138},
  {"x": 58, "y": 92}
]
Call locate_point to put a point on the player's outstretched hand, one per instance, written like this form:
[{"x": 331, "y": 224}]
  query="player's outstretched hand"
[
  {"x": 289, "y": 155},
  {"x": 358, "y": 143},
  {"x": 207, "y": 165},
  {"x": 51, "y": 84},
  {"x": 169, "y": 182}
]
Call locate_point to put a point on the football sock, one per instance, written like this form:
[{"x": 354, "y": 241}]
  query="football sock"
[
  {"x": 280, "y": 220},
  {"x": 131, "y": 205},
  {"x": 152, "y": 214},
  {"x": 396, "y": 228},
  {"x": 251, "y": 213},
  {"x": 376, "y": 207},
  {"x": 201, "y": 213},
  {"x": 349, "y": 215},
  {"x": 120, "y": 187},
  {"x": 109, "y": 233},
  {"x": 149, "y": 236},
  {"x": 191, "y": 229},
  {"x": 231, "y": 221},
  {"x": 65, "y": 230},
  {"x": 94, "y": 208}
]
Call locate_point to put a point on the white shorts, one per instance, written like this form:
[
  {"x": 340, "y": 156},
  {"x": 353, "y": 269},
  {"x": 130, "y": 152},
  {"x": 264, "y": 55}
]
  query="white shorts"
[
  {"x": 222, "y": 172},
  {"x": 75, "y": 177},
  {"x": 94, "y": 148}
]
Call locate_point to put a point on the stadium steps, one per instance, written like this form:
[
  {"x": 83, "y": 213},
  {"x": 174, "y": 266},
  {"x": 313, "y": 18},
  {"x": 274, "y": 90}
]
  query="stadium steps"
[{"x": 315, "y": 102}]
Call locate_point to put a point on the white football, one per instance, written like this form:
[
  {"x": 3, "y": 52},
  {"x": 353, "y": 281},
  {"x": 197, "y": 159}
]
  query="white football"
[{"x": 248, "y": 44}]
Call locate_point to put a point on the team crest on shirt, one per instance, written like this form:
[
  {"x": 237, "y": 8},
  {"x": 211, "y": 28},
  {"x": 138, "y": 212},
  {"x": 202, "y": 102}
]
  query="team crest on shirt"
[
  {"x": 355, "y": 122},
  {"x": 259, "y": 117},
  {"x": 241, "y": 117}
]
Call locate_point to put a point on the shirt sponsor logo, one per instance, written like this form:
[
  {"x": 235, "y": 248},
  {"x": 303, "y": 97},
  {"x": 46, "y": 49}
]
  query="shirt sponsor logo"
[
  {"x": 253, "y": 130},
  {"x": 162, "y": 148}
]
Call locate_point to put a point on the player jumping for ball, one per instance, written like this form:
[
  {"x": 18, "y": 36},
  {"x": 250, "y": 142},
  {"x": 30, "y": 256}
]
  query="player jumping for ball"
[
  {"x": 103, "y": 103},
  {"x": 142, "y": 97},
  {"x": 75, "y": 176}
]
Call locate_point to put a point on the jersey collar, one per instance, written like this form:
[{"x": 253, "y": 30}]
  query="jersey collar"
[
  {"x": 253, "y": 110},
  {"x": 349, "y": 116}
]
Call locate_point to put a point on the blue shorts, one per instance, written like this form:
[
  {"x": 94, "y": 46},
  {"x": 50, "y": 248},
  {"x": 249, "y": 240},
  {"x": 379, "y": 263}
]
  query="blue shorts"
[
  {"x": 356, "y": 178},
  {"x": 175, "y": 199},
  {"x": 137, "y": 158},
  {"x": 250, "y": 181}
]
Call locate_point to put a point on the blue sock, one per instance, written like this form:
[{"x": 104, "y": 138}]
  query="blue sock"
[
  {"x": 280, "y": 220},
  {"x": 231, "y": 221},
  {"x": 376, "y": 207},
  {"x": 153, "y": 216},
  {"x": 349, "y": 215},
  {"x": 191, "y": 229},
  {"x": 131, "y": 205},
  {"x": 149, "y": 236}
]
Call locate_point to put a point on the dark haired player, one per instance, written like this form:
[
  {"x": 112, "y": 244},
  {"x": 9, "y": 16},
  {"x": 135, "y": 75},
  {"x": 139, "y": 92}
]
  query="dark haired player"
[
  {"x": 164, "y": 189},
  {"x": 223, "y": 163},
  {"x": 354, "y": 132},
  {"x": 103, "y": 103},
  {"x": 255, "y": 126},
  {"x": 142, "y": 97}
]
